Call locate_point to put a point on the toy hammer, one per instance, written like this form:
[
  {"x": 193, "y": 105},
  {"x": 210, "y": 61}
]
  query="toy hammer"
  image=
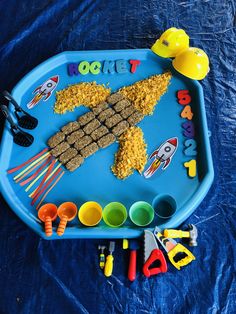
[{"x": 191, "y": 233}]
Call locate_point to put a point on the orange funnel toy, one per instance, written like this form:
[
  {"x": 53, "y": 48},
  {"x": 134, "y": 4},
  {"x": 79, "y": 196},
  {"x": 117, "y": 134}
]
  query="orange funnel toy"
[
  {"x": 47, "y": 213},
  {"x": 67, "y": 212}
]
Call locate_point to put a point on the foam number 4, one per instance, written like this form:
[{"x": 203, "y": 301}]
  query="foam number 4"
[
  {"x": 192, "y": 168},
  {"x": 187, "y": 113},
  {"x": 183, "y": 97},
  {"x": 191, "y": 147},
  {"x": 189, "y": 130}
]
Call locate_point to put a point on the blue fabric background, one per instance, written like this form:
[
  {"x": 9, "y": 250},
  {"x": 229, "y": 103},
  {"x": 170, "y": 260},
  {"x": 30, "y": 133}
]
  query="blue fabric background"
[{"x": 38, "y": 276}]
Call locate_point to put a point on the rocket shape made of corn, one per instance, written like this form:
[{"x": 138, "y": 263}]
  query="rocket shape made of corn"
[{"x": 98, "y": 128}]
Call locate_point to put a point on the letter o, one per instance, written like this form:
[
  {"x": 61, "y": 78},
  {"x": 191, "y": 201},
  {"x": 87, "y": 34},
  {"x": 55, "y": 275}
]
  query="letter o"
[{"x": 84, "y": 67}]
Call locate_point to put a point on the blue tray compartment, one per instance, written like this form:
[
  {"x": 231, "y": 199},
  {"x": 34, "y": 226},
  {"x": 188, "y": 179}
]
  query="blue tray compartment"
[{"x": 94, "y": 180}]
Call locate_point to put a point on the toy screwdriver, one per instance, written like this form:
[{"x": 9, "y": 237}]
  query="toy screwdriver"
[
  {"x": 102, "y": 256},
  {"x": 109, "y": 260},
  {"x": 134, "y": 246},
  {"x": 178, "y": 255}
]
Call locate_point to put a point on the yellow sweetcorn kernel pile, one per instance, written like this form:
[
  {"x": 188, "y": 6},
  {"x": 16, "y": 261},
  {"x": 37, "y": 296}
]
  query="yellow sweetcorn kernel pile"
[
  {"x": 146, "y": 93},
  {"x": 87, "y": 94},
  {"x": 131, "y": 155}
]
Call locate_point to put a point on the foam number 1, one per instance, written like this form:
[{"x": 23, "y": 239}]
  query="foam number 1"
[
  {"x": 183, "y": 97},
  {"x": 189, "y": 130},
  {"x": 191, "y": 147},
  {"x": 192, "y": 168}
]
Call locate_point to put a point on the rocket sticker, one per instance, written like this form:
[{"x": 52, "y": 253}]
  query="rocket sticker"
[
  {"x": 44, "y": 91},
  {"x": 162, "y": 155}
]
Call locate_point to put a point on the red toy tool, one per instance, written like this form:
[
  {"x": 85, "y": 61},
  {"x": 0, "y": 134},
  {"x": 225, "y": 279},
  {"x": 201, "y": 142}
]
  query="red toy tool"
[
  {"x": 134, "y": 246},
  {"x": 152, "y": 254}
]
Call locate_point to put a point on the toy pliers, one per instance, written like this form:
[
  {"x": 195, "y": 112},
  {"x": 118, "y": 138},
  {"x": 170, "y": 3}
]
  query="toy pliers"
[
  {"x": 178, "y": 255},
  {"x": 152, "y": 253}
]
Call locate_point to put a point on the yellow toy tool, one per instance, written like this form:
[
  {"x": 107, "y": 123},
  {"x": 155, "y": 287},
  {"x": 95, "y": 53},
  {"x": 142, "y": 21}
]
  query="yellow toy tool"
[
  {"x": 172, "y": 233},
  {"x": 178, "y": 255},
  {"x": 171, "y": 42},
  {"x": 189, "y": 61},
  {"x": 191, "y": 233},
  {"x": 109, "y": 260},
  {"x": 125, "y": 244}
]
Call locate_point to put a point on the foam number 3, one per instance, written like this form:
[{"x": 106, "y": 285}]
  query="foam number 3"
[
  {"x": 187, "y": 113},
  {"x": 189, "y": 130},
  {"x": 183, "y": 97},
  {"x": 192, "y": 168},
  {"x": 191, "y": 147}
]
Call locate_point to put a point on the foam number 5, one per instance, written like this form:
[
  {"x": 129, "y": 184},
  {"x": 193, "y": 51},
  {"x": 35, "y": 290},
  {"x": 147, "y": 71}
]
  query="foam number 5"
[
  {"x": 192, "y": 168},
  {"x": 187, "y": 113},
  {"x": 183, "y": 97},
  {"x": 189, "y": 130},
  {"x": 191, "y": 147}
]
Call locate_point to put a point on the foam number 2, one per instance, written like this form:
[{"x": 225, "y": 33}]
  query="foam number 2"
[
  {"x": 183, "y": 97},
  {"x": 191, "y": 147},
  {"x": 192, "y": 168},
  {"x": 189, "y": 130}
]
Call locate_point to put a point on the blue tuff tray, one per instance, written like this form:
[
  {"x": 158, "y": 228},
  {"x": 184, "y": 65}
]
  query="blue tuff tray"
[{"x": 94, "y": 179}]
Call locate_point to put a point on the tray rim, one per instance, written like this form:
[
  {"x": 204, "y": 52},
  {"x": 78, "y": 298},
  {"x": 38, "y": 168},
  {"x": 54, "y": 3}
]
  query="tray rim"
[{"x": 85, "y": 232}]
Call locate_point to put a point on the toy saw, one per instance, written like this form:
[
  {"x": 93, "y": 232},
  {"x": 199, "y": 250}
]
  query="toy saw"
[{"x": 178, "y": 255}]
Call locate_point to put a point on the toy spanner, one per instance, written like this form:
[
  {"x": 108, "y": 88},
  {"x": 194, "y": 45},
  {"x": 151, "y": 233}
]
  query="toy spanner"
[{"x": 152, "y": 254}]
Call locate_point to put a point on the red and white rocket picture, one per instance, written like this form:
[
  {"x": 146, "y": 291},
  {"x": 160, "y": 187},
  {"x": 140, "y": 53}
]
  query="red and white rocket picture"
[
  {"x": 44, "y": 91},
  {"x": 163, "y": 154}
]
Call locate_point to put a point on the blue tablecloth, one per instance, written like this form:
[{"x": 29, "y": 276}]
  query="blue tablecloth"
[{"x": 38, "y": 276}]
